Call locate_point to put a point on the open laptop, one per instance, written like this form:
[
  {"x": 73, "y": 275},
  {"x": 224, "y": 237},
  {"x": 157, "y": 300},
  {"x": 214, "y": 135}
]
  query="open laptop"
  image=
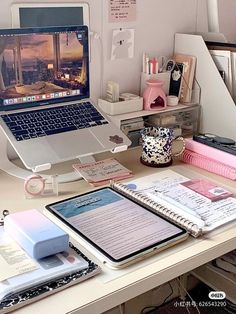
[{"x": 45, "y": 110}]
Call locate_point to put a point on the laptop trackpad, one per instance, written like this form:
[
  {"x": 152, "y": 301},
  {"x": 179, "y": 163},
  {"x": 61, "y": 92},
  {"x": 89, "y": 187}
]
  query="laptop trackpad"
[{"x": 74, "y": 144}]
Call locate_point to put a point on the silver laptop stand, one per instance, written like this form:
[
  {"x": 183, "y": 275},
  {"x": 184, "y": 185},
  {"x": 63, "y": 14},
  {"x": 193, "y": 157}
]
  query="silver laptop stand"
[{"x": 9, "y": 167}]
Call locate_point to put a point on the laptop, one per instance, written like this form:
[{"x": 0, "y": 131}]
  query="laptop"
[{"x": 45, "y": 110}]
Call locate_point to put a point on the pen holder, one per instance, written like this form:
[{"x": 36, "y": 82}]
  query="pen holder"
[{"x": 154, "y": 97}]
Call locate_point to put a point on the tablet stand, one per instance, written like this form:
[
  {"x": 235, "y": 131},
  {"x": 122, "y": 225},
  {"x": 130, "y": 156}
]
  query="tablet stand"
[{"x": 9, "y": 167}]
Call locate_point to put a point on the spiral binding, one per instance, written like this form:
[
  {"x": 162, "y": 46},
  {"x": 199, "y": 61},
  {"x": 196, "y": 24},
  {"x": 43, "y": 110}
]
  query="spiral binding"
[
  {"x": 159, "y": 208},
  {"x": 209, "y": 164}
]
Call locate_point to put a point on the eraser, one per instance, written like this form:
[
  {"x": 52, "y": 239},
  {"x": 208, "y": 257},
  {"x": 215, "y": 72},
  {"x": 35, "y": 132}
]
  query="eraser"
[{"x": 36, "y": 234}]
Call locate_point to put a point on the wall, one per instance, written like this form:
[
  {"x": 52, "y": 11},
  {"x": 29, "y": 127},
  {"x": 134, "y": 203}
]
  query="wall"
[
  {"x": 155, "y": 26},
  {"x": 157, "y": 22},
  {"x": 227, "y": 9}
]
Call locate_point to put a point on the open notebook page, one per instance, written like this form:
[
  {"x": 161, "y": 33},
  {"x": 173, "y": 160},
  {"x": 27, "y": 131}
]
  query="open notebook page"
[{"x": 164, "y": 187}]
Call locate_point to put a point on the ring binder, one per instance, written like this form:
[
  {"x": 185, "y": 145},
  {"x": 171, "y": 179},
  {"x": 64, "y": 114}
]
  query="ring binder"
[
  {"x": 162, "y": 210},
  {"x": 178, "y": 203}
]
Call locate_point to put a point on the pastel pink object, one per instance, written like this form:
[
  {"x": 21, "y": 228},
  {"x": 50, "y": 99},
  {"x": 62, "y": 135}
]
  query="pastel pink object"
[
  {"x": 211, "y": 152},
  {"x": 209, "y": 164},
  {"x": 154, "y": 96}
]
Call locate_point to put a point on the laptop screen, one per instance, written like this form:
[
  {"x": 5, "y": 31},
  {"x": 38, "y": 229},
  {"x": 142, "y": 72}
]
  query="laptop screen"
[{"x": 40, "y": 66}]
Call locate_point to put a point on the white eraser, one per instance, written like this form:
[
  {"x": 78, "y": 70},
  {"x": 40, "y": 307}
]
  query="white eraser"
[{"x": 36, "y": 234}]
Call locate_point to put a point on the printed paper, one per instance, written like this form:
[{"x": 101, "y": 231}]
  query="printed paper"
[
  {"x": 13, "y": 260},
  {"x": 122, "y": 11}
]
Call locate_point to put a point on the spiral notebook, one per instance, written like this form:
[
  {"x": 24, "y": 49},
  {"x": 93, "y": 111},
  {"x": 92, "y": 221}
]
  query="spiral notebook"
[
  {"x": 212, "y": 153},
  {"x": 164, "y": 193},
  {"x": 209, "y": 164}
]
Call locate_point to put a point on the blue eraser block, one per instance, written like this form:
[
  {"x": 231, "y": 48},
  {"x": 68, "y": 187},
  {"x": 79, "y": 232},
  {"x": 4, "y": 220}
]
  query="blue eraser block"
[{"x": 36, "y": 234}]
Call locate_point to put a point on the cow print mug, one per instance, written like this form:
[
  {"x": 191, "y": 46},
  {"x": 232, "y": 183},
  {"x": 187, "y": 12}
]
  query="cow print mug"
[{"x": 157, "y": 146}]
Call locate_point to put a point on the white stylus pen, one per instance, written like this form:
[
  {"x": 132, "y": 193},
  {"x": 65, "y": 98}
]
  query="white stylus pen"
[
  {"x": 144, "y": 62},
  {"x": 147, "y": 65}
]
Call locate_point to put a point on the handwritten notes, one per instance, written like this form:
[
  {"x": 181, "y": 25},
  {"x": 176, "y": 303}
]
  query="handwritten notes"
[
  {"x": 168, "y": 186},
  {"x": 101, "y": 172},
  {"x": 122, "y": 11}
]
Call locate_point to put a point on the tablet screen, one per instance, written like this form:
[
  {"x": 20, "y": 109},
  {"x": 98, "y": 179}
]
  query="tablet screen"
[{"x": 115, "y": 225}]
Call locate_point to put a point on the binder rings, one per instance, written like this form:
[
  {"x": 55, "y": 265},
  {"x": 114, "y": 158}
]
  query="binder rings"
[
  {"x": 163, "y": 193},
  {"x": 162, "y": 210},
  {"x": 209, "y": 164}
]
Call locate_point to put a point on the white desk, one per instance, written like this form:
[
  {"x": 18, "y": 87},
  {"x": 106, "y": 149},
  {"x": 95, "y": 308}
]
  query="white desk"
[{"x": 111, "y": 288}]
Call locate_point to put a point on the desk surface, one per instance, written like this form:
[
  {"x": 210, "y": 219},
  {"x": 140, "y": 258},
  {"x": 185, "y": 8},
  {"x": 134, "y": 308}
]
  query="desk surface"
[{"x": 114, "y": 287}]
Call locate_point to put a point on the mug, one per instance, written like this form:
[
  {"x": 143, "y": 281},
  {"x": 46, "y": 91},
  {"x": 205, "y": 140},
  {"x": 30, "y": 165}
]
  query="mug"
[{"x": 157, "y": 146}]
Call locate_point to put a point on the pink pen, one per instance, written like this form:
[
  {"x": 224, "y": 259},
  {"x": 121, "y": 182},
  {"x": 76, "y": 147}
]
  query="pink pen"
[{"x": 154, "y": 65}]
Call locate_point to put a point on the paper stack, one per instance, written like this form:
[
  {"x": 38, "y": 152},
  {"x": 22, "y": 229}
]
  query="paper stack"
[{"x": 101, "y": 172}]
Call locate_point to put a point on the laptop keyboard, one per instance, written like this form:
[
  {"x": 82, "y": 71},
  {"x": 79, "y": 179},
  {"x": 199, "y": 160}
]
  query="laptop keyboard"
[{"x": 38, "y": 123}]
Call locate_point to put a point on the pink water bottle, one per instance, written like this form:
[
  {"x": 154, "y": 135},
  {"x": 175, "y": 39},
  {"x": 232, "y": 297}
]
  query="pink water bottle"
[{"x": 154, "y": 96}]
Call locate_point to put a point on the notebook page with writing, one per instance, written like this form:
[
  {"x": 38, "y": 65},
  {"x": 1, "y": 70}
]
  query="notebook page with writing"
[
  {"x": 165, "y": 188},
  {"x": 213, "y": 214},
  {"x": 163, "y": 208}
]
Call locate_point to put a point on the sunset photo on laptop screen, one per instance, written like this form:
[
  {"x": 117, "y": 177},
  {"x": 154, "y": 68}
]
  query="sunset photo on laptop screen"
[
  {"x": 42, "y": 66},
  {"x": 46, "y": 111}
]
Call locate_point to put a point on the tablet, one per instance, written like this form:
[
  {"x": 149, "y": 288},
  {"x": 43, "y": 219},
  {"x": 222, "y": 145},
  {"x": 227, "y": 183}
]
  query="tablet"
[{"x": 116, "y": 229}]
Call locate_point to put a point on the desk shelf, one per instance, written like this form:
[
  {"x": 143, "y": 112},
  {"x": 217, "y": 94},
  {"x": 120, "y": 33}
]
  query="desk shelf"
[
  {"x": 186, "y": 120},
  {"x": 117, "y": 119}
]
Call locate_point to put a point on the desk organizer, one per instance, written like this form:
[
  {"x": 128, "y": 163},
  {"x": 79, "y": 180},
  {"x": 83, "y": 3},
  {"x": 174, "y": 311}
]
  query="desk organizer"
[
  {"x": 165, "y": 77},
  {"x": 114, "y": 108}
]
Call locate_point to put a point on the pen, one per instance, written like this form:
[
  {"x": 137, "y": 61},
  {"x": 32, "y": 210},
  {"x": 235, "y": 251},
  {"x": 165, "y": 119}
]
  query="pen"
[
  {"x": 144, "y": 62},
  {"x": 153, "y": 66},
  {"x": 147, "y": 70}
]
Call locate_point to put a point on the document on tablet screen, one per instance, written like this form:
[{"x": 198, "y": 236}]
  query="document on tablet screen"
[{"x": 114, "y": 224}]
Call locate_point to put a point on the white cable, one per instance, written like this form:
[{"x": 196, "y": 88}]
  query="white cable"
[
  {"x": 213, "y": 16},
  {"x": 122, "y": 308},
  {"x": 188, "y": 295},
  {"x": 197, "y": 15},
  {"x": 101, "y": 41},
  {"x": 96, "y": 36},
  {"x": 187, "y": 310},
  {"x": 101, "y": 67}
]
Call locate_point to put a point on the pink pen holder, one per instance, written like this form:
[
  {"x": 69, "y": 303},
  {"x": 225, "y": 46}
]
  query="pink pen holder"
[{"x": 154, "y": 96}]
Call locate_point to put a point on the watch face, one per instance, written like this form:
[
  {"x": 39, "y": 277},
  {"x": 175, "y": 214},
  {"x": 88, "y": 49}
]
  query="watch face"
[{"x": 34, "y": 185}]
